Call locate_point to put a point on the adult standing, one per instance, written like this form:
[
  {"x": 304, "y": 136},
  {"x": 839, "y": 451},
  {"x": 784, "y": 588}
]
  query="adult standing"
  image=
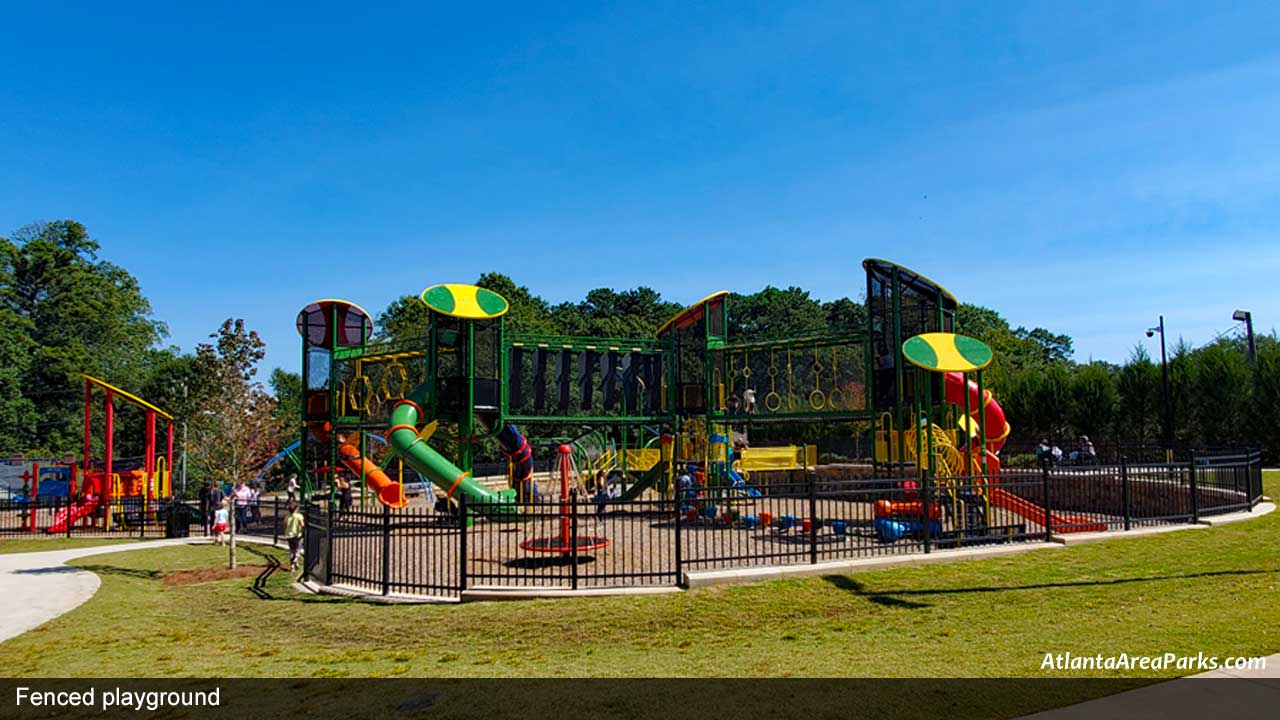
[
  {"x": 216, "y": 496},
  {"x": 255, "y": 496},
  {"x": 243, "y": 496},
  {"x": 206, "y": 511}
]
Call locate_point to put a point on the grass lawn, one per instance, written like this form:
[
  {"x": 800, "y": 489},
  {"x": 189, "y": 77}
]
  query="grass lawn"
[
  {"x": 1215, "y": 590},
  {"x": 22, "y": 545}
]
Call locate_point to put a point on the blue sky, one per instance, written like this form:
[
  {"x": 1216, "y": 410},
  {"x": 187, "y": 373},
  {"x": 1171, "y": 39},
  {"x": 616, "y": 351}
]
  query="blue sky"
[{"x": 1080, "y": 166}]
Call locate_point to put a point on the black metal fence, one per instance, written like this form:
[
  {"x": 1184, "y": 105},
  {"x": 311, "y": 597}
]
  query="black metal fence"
[
  {"x": 583, "y": 543},
  {"x": 805, "y": 519},
  {"x": 63, "y": 517},
  {"x": 44, "y": 516}
]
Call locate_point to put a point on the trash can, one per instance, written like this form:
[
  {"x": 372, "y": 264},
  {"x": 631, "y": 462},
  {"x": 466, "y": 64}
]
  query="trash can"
[{"x": 178, "y": 520}]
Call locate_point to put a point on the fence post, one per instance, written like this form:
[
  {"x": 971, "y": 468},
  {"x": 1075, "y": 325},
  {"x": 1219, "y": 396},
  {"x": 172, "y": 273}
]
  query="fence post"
[
  {"x": 1048, "y": 505},
  {"x": 675, "y": 504},
  {"x": 926, "y": 509},
  {"x": 69, "y": 523},
  {"x": 1124, "y": 493},
  {"x": 275, "y": 521},
  {"x": 573, "y": 536},
  {"x": 328, "y": 551},
  {"x": 1195, "y": 495},
  {"x": 386, "y": 550},
  {"x": 462, "y": 542},
  {"x": 812, "y": 475},
  {"x": 1254, "y": 472}
]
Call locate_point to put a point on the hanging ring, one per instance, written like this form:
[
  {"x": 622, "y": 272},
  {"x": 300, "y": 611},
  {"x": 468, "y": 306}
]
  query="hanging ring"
[
  {"x": 817, "y": 400},
  {"x": 773, "y": 401}
]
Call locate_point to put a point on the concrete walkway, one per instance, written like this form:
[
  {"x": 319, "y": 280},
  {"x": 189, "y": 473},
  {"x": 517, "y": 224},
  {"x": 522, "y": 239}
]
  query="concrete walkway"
[
  {"x": 1254, "y": 693},
  {"x": 39, "y": 586}
]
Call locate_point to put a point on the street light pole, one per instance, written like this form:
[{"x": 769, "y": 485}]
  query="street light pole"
[
  {"x": 1246, "y": 317},
  {"x": 184, "y": 439},
  {"x": 1164, "y": 373}
]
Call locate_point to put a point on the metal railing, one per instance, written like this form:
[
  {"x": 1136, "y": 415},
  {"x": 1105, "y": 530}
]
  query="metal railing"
[{"x": 582, "y": 543}]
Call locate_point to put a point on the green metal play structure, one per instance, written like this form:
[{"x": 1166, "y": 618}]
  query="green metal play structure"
[{"x": 633, "y": 410}]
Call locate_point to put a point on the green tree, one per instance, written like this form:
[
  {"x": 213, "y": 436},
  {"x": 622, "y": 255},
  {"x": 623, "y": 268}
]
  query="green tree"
[
  {"x": 1052, "y": 347},
  {"x": 1138, "y": 387},
  {"x": 1094, "y": 400},
  {"x": 528, "y": 314},
  {"x": 1015, "y": 350},
  {"x": 175, "y": 383},
  {"x": 1053, "y": 403},
  {"x": 18, "y": 415},
  {"x": 1182, "y": 369},
  {"x": 773, "y": 313},
  {"x": 1264, "y": 415},
  {"x": 845, "y": 317},
  {"x": 405, "y": 318},
  {"x": 1220, "y": 393},
  {"x": 610, "y": 313},
  {"x": 286, "y": 387},
  {"x": 235, "y": 432},
  {"x": 80, "y": 315}
]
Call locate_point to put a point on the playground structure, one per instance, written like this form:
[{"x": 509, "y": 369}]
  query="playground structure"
[
  {"x": 960, "y": 448},
  {"x": 112, "y": 488},
  {"x": 666, "y": 416},
  {"x": 630, "y": 459},
  {"x": 649, "y": 404},
  {"x": 113, "y": 494}
]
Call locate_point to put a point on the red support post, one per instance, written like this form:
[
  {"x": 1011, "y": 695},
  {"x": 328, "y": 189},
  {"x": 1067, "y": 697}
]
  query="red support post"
[
  {"x": 168, "y": 459},
  {"x": 88, "y": 414},
  {"x": 149, "y": 463},
  {"x": 106, "y": 488},
  {"x": 32, "y": 496},
  {"x": 565, "y": 531}
]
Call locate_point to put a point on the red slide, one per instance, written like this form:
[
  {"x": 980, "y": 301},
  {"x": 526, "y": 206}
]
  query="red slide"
[
  {"x": 996, "y": 426},
  {"x": 72, "y": 514},
  {"x": 1035, "y": 513},
  {"x": 998, "y": 429}
]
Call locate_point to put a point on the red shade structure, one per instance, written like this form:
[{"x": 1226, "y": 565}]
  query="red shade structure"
[{"x": 567, "y": 542}]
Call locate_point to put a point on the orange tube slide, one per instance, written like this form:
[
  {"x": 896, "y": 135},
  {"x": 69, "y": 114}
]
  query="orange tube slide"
[{"x": 384, "y": 488}]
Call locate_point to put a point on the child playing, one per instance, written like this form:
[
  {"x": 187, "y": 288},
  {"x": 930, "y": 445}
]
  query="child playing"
[
  {"x": 293, "y": 524},
  {"x": 221, "y": 517}
]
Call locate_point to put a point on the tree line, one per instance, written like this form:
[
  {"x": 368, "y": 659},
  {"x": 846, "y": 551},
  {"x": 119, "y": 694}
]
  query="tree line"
[{"x": 66, "y": 311}]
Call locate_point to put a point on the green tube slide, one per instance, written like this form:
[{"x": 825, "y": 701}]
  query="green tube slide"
[{"x": 405, "y": 443}]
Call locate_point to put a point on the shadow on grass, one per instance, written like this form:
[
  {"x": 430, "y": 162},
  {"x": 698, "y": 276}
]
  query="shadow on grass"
[
  {"x": 259, "y": 586},
  {"x": 893, "y": 598},
  {"x": 121, "y": 571}
]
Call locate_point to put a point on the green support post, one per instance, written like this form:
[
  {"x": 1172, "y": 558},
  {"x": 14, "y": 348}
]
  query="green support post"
[
  {"x": 968, "y": 419},
  {"x": 927, "y": 377},
  {"x": 333, "y": 405},
  {"x": 982, "y": 422},
  {"x": 898, "y": 373},
  {"x": 466, "y": 420}
]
